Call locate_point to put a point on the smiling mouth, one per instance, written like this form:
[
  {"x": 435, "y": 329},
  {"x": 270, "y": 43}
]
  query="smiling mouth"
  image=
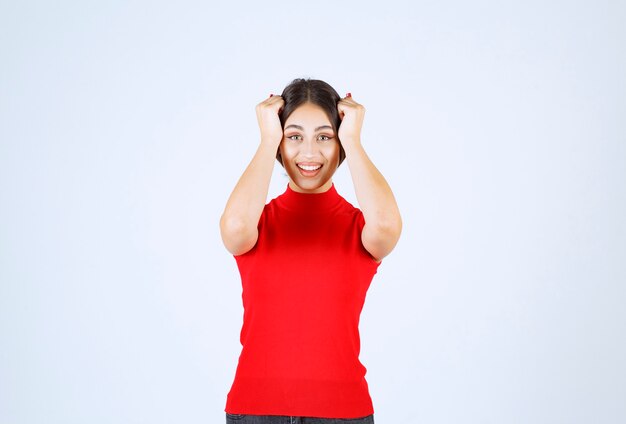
[{"x": 309, "y": 168}]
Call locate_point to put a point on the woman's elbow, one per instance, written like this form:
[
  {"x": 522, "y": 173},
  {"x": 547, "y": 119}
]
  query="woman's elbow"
[
  {"x": 389, "y": 227},
  {"x": 237, "y": 236}
]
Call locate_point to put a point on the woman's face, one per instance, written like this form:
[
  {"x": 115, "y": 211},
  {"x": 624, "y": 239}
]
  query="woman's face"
[{"x": 309, "y": 149}]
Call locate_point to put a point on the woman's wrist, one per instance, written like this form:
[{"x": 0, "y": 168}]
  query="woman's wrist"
[
  {"x": 268, "y": 148},
  {"x": 271, "y": 141},
  {"x": 350, "y": 144}
]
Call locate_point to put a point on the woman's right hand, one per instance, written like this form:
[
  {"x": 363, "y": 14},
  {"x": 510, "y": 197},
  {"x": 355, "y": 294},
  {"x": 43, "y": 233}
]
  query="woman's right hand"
[{"x": 267, "y": 115}]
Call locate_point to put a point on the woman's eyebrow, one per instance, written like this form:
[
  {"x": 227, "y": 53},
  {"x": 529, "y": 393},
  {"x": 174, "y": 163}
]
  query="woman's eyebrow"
[{"x": 322, "y": 127}]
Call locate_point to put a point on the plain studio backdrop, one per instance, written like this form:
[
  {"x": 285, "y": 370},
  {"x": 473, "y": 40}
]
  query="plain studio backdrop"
[{"x": 500, "y": 127}]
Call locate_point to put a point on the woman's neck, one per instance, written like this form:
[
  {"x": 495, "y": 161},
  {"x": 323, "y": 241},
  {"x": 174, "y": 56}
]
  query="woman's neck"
[{"x": 323, "y": 188}]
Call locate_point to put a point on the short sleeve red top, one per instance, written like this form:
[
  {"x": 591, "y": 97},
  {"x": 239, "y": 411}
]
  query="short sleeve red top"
[{"x": 304, "y": 285}]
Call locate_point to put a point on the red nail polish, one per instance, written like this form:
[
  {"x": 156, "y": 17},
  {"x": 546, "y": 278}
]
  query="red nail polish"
[
  {"x": 349, "y": 95},
  {"x": 271, "y": 95}
]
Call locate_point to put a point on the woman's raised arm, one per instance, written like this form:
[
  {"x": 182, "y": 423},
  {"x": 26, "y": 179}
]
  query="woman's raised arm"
[
  {"x": 383, "y": 223},
  {"x": 238, "y": 224}
]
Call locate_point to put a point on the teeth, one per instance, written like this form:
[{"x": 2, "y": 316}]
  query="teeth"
[{"x": 310, "y": 167}]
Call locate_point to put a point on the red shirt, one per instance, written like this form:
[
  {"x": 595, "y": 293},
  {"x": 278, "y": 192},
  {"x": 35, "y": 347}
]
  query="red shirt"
[{"x": 304, "y": 285}]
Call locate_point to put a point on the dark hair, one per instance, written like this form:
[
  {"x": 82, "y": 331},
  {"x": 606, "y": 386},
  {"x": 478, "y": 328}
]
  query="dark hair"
[{"x": 318, "y": 92}]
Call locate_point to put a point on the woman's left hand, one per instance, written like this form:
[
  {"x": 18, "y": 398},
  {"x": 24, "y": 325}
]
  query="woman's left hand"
[{"x": 351, "y": 114}]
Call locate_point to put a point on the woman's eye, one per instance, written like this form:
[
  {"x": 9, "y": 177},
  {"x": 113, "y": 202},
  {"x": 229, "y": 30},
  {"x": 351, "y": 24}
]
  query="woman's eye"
[
  {"x": 324, "y": 137},
  {"x": 294, "y": 137}
]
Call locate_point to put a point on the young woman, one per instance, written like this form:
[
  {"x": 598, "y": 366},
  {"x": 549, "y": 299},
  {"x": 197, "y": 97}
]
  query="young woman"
[{"x": 306, "y": 260}]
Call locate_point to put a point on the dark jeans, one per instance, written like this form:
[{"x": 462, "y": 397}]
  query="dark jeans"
[{"x": 283, "y": 419}]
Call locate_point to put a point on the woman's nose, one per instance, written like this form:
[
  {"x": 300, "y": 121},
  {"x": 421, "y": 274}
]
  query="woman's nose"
[{"x": 309, "y": 148}]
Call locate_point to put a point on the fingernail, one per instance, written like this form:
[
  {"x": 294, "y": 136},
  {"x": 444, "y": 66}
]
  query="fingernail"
[
  {"x": 349, "y": 95},
  {"x": 271, "y": 95}
]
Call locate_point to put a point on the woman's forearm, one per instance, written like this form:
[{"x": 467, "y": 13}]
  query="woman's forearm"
[
  {"x": 238, "y": 224},
  {"x": 373, "y": 193},
  {"x": 383, "y": 223},
  {"x": 239, "y": 221}
]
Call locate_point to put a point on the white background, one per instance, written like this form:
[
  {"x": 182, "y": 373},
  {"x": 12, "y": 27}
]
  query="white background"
[{"x": 499, "y": 125}]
